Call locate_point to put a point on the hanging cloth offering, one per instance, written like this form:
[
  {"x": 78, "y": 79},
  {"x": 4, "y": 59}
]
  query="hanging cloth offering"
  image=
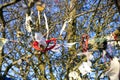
[
  {"x": 42, "y": 45},
  {"x": 114, "y": 70},
  {"x": 85, "y": 39},
  {"x": 39, "y": 47},
  {"x": 40, "y": 39}
]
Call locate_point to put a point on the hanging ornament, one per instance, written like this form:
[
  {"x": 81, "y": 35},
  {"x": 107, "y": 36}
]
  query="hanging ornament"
[
  {"x": 114, "y": 70},
  {"x": 2, "y": 42},
  {"x": 85, "y": 39},
  {"x": 42, "y": 45},
  {"x": 84, "y": 68},
  {"x": 74, "y": 75}
]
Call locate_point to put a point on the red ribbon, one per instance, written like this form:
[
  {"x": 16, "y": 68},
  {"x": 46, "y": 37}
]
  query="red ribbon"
[
  {"x": 36, "y": 46},
  {"x": 85, "y": 38},
  {"x": 51, "y": 47}
]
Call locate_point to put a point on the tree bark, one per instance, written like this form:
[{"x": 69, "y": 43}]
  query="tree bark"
[{"x": 71, "y": 37}]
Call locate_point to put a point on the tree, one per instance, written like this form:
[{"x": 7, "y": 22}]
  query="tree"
[{"x": 19, "y": 60}]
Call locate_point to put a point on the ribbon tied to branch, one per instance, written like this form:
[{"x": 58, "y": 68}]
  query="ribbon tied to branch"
[
  {"x": 85, "y": 39},
  {"x": 42, "y": 45}
]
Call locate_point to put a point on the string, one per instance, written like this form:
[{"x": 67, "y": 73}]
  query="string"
[
  {"x": 39, "y": 17},
  {"x": 46, "y": 24}
]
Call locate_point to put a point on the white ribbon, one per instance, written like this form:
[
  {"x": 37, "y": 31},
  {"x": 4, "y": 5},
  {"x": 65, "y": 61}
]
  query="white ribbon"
[
  {"x": 64, "y": 25},
  {"x": 27, "y": 23},
  {"x": 46, "y": 24},
  {"x": 69, "y": 44},
  {"x": 104, "y": 53},
  {"x": 39, "y": 38},
  {"x": 57, "y": 47},
  {"x": 114, "y": 70}
]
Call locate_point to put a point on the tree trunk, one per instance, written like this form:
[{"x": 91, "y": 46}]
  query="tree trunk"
[{"x": 71, "y": 37}]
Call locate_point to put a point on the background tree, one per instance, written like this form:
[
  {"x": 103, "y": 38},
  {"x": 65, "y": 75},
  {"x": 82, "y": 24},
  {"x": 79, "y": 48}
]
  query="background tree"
[{"x": 18, "y": 60}]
